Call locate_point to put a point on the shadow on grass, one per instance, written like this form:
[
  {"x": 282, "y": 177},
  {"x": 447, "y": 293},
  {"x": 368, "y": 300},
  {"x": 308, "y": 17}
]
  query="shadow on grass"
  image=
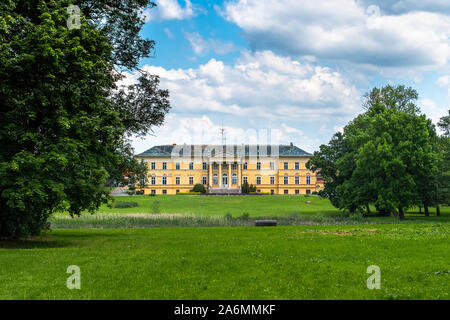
[{"x": 39, "y": 242}]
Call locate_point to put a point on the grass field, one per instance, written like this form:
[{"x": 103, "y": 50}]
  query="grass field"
[
  {"x": 316, "y": 252},
  {"x": 255, "y": 206},
  {"x": 300, "y": 262}
]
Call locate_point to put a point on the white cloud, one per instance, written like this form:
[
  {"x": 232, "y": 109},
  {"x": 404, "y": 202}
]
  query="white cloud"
[
  {"x": 444, "y": 82},
  {"x": 168, "y": 33},
  {"x": 432, "y": 111},
  {"x": 344, "y": 30},
  {"x": 202, "y": 130},
  {"x": 202, "y": 46},
  {"x": 260, "y": 90},
  {"x": 261, "y": 85},
  {"x": 170, "y": 10}
]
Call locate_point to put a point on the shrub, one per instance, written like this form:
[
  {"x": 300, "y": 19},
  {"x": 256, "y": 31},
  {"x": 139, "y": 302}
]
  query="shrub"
[
  {"x": 245, "y": 216},
  {"x": 140, "y": 192},
  {"x": 199, "y": 188},
  {"x": 156, "y": 207},
  {"x": 246, "y": 188},
  {"x": 123, "y": 205},
  {"x": 228, "y": 216}
]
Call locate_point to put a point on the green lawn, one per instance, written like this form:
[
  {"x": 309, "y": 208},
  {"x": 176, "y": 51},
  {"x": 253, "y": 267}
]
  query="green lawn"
[
  {"x": 255, "y": 206},
  {"x": 299, "y": 262}
]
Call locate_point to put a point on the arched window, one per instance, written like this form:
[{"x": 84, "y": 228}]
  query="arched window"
[
  {"x": 234, "y": 179},
  {"x": 215, "y": 179}
]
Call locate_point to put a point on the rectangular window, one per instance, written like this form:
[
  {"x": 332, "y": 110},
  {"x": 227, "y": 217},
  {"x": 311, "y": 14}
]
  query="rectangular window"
[
  {"x": 297, "y": 191},
  {"x": 153, "y": 179},
  {"x": 177, "y": 191},
  {"x": 153, "y": 191},
  {"x": 258, "y": 166},
  {"x": 286, "y": 191},
  {"x": 245, "y": 179},
  {"x": 234, "y": 167},
  {"x": 191, "y": 166},
  {"x": 164, "y": 180},
  {"x": 297, "y": 166},
  {"x": 177, "y": 166},
  {"x": 286, "y": 180},
  {"x": 164, "y": 192},
  {"x": 297, "y": 180},
  {"x": 205, "y": 166},
  {"x": 258, "y": 180},
  {"x": 308, "y": 191},
  {"x": 164, "y": 166},
  {"x": 308, "y": 180},
  {"x": 153, "y": 165},
  {"x": 272, "y": 180},
  {"x": 286, "y": 166},
  {"x": 272, "y": 191},
  {"x": 191, "y": 180},
  {"x": 205, "y": 180},
  {"x": 245, "y": 165},
  {"x": 177, "y": 180},
  {"x": 272, "y": 166},
  {"x": 215, "y": 165}
]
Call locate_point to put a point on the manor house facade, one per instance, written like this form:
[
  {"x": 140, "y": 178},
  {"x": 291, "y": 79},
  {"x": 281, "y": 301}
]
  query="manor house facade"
[{"x": 275, "y": 169}]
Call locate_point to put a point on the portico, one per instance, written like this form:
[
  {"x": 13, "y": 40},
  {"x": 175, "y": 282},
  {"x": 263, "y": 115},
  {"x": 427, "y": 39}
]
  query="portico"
[{"x": 224, "y": 174}]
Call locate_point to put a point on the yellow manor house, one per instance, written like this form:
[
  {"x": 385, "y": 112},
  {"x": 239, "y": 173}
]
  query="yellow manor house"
[{"x": 222, "y": 169}]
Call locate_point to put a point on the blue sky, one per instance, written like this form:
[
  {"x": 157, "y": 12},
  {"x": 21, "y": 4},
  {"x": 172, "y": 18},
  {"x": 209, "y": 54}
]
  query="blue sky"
[{"x": 292, "y": 69}]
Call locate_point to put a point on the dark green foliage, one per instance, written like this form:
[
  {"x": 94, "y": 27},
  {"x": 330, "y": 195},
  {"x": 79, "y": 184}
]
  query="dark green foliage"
[
  {"x": 63, "y": 126},
  {"x": 123, "y": 205},
  {"x": 443, "y": 145},
  {"x": 199, "y": 188},
  {"x": 247, "y": 189},
  {"x": 385, "y": 156},
  {"x": 156, "y": 207}
]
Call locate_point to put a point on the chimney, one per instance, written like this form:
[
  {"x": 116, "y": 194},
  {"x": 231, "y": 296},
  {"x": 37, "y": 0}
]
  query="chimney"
[{"x": 292, "y": 144}]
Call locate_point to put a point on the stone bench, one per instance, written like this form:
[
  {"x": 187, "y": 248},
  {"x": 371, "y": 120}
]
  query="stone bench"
[{"x": 265, "y": 223}]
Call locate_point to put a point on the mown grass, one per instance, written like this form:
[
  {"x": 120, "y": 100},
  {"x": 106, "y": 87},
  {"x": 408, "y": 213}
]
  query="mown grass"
[
  {"x": 255, "y": 206},
  {"x": 285, "y": 262}
]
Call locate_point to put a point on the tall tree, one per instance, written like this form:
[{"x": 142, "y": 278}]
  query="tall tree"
[
  {"x": 443, "y": 178},
  {"x": 386, "y": 155},
  {"x": 64, "y": 122}
]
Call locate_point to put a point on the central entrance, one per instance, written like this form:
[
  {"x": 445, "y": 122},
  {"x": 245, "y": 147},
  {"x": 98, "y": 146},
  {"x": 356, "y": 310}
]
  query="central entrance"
[{"x": 225, "y": 180}]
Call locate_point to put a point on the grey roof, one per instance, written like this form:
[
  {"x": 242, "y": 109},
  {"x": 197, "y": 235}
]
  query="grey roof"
[{"x": 237, "y": 150}]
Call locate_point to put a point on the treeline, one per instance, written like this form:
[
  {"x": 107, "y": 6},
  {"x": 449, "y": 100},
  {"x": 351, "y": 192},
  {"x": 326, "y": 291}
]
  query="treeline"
[{"x": 390, "y": 156}]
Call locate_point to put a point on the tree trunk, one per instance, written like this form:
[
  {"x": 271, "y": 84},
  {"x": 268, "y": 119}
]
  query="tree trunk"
[
  {"x": 438, "y": 210},
  {"x": 427, "y": 212},
  {"x": 401, "y": 214},
  {"x": 420, "y": 209},
  {"x": 368, "y": 208}
]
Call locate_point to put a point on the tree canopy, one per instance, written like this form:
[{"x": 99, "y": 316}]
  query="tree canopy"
[
  {"x": 386, "y": 156},
  {"x": 64, "y": 122}
]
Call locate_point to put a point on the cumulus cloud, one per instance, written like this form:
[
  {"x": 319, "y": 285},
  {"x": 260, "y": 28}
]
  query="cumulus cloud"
[
  {"x": 402, "y": 6},
  {"x": 432, "y": 111},
  {"x": 261, "y": 85},
  {"x": 344, "y": 30},
  {"x": 444, "y": 82},
  {"x": 170, "y": 10},
  {"x": 202, "y": 46},
  {"x": 260, "y": 90},
  {"x": 180, "y": 129}
]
